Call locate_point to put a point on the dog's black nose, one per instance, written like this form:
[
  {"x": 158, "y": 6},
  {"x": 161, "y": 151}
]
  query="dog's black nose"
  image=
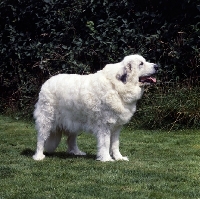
[{"x": 156, "y": 67}]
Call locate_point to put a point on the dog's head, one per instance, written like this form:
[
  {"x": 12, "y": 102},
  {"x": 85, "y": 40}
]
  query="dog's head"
[{"x": 135, "y": 69}]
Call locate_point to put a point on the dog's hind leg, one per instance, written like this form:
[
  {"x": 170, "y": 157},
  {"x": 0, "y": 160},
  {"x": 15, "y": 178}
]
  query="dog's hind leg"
[
  {"x": 72, "y": 145},
  {"x": 44, "y": 118},
  {"x": 52, "y": 141},
  {"x": 40, "y": 148},
  {"x": 44, "y": 130}
]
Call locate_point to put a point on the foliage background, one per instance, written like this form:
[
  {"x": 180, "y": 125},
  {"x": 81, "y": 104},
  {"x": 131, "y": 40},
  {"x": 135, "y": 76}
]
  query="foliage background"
[{"x": 41, "y": 38}]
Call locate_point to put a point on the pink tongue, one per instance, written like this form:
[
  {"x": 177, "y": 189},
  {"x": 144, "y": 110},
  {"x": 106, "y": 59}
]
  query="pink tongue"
[
  {"x": 152, "y": 79},
  {"x": 148, "y": 79}
]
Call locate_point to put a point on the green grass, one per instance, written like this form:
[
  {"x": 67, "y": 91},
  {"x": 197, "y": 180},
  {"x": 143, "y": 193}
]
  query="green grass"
[{"x": 162, "y": 165}]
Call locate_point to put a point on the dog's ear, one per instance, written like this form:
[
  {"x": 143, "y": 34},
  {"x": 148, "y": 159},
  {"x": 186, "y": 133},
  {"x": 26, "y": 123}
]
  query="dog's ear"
[
  {"x": 123, "y": 76},
  {"x": 128, "y": 67}
]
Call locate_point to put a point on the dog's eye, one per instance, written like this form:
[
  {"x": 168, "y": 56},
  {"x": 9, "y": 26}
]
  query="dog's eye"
[{"x": 141, "y": 63}]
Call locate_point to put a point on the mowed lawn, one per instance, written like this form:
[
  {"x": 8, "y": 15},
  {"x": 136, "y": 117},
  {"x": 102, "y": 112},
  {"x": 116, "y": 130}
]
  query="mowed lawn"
[{"x": 161, "y": 165}]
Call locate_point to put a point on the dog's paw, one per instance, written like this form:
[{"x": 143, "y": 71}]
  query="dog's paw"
[
  {"x": 104, "y": 159},
  {"x": 38, "y": 157},
  {"x": 120, "y": 157},
  {"x": 81, "y": 153},
  {"x": 75, "y": 152},
  {"x": 124, "y": 158}
]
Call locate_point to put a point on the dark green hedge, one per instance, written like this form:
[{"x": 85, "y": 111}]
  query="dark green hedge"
[{"x": 40, "y": 38}]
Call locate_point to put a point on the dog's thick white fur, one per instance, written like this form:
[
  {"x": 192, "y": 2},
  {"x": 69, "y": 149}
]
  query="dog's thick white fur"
[{"x": 99, "y": 103}]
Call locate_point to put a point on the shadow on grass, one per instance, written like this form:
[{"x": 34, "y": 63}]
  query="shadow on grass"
[{"x": 61, "y": 155}]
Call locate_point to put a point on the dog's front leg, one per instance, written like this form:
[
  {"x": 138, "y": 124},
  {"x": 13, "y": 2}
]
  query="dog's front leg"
[
  {"x": 114, "y": 146},
  {"x": 103, "y": 146}
]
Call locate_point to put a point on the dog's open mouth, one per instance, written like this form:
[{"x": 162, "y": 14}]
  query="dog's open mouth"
[{"x": 147, "y": 79}]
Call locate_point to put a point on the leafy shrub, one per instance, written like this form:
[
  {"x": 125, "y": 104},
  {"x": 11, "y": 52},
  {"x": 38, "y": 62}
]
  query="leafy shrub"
[
  {"x": 169, "y": 107},
  {"x": 36, "y": 42},
  {"x": 41, "y": 38}
]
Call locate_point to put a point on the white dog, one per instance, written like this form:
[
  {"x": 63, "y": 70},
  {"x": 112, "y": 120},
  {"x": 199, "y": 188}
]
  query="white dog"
[{"x": 99, "y": 103}]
